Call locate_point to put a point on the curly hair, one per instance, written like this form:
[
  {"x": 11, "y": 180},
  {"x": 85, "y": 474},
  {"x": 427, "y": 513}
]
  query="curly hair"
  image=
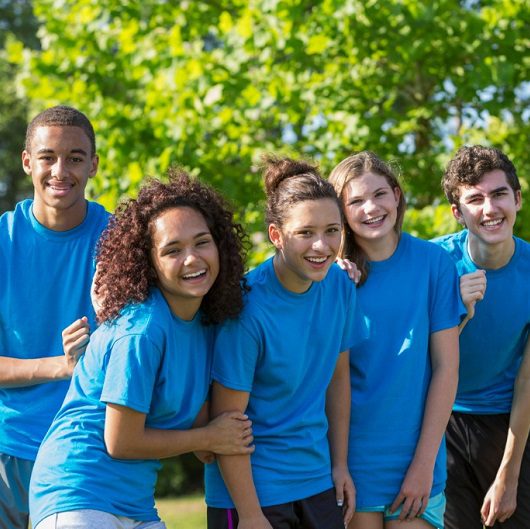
[
  {"x": 352, "y": 167},
  {"x": 61, "y": 116},
  {"x": 125, "y": 271},
  {"x": 288, "y": 182},
  {"x": 470, "y": 164}
]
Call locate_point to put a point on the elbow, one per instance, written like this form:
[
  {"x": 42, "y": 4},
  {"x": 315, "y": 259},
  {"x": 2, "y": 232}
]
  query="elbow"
[{"x": 115, "y": 448}]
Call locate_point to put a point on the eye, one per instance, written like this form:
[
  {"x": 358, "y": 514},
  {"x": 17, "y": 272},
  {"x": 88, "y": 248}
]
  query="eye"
[
  {"x": 204, "y": 242},
  {"x": 334, "y": 229},
  {"x": 499, "y": 194},
  {"x": 355, "y": 202},
  {"x": 76, "y": 159},
  {"x": 304, "y": 233},
  {"x": 381, "y": 193},
  {"x": 171, "y": 251}
]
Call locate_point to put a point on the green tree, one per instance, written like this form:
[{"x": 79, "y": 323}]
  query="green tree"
[
  {"x": 16, "y": 18},
  {"x": 213, "y": 84}
]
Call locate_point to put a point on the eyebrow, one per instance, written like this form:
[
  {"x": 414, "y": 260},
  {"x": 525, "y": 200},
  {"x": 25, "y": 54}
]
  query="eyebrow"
[
  {"x": 492, "y": 192},
  {"x": 176, "y": 241},
  {"x": 51, "y": 151}
]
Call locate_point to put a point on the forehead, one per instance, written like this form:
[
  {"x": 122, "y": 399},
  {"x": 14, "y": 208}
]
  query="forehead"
[
  {"x": 490, "y": 181},
  {"x": 58, "y": 138},
  {"x": 178, "y": 223},
  {"x": 366, "y": 183},
  {"x": 322, "y": 211}
]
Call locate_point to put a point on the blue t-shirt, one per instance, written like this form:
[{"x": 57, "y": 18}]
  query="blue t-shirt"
[
  {"x": 148, "y": 360},
  {"x": 492, "y": 342},
  {"x": 45, "y": 286},
  {"x": 405, "y": 299},
  {"x": 283, "y": 350}
]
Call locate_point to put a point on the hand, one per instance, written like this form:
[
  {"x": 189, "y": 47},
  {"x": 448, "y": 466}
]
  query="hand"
[
  {"x": 500, "y": 501},
  {"x": 259, "y": 522},
  {"x": 231, "y": 434},
  {"x": 414, "y": 493},
  {"x": 345, "y": 492},
  {"x": 75, "y": 340},
  {"x": 204, "y": 456},
  {"x": 472, "y": 289},
  {"x": 349, "y": 266}
]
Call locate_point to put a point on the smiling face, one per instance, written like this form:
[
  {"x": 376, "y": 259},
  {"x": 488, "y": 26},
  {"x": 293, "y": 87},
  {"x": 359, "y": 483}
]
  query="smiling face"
[
  {"x": 371, "y": 209},
  {"x": 488, "y": 209},
  {"x": 185, "y": 259},
  {"x": 60, "y": 163},
  {"x": 307, "y": 243}
]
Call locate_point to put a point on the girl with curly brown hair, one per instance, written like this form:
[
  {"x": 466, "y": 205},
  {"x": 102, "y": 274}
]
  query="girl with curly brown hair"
[{"x": 170, "y": 265}]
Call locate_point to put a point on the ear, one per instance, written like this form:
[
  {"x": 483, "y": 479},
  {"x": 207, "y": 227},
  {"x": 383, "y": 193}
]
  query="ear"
[
  {"x": 94, "y": 166},
  {"x": 397, "y": 194},
  {"x": 26, "y": 162},
  {"x": 275, "y": 236},
  {"x": 518, "y": 200},
  {"x": 457, "y": 214}
]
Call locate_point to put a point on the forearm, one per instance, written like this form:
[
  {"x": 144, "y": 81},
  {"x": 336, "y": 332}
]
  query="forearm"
[
  {"x": 338, "y": 404},
  {"x": 19, "y": 372},
  {"x": 440, "y": 397}
]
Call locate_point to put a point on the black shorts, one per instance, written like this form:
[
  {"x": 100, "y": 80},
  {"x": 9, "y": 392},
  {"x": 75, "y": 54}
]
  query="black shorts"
[
  {"x": 316, "y": 512},
  {"x": 475, "y": 446}
]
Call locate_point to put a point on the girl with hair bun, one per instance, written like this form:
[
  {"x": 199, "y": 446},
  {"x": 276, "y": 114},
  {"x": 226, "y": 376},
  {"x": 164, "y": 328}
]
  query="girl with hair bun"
[
  {"x": 284, "y": 362},
  {"x": 403, "y": 377},
  {"x": 170, "y": 264}
]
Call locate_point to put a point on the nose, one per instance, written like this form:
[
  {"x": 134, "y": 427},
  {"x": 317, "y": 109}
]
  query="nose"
[
  {"x": 320, "y": 244},
  {"x": 59, "y": 170},
  {"x": 370, "y": 206},
  {"x": 190, "y": 257},
  {"x": 488, "y": 206}
]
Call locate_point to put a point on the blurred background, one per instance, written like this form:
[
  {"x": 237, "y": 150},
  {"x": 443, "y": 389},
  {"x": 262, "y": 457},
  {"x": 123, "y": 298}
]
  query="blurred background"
[{"x": 211, "y": 85}]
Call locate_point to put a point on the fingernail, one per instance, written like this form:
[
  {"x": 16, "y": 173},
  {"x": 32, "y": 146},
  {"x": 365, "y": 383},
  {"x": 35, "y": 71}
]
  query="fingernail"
[{"x": 340, "y": 503}]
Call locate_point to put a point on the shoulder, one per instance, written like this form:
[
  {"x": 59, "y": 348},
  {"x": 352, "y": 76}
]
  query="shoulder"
[
  {"x": 97, "y": 214},
  {"x": 20, "y": 215},
  {"x": 452, "y": 243}
]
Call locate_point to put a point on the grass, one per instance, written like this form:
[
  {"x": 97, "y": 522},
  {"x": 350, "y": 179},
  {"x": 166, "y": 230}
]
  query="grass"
[{"x": 188, "y": 512}]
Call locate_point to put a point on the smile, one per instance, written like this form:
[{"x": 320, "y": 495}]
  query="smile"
[
  {"x": 492, "y": 223},
  {"x": 375, "y": 220},
  {"x": 317, "y": 260},
  {"x": 194, "y": 275}
]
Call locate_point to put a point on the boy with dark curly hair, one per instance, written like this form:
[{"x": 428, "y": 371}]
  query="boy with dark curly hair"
[
  {"x": 46, "y": 266},
  {"x": 487, "y": 436}
]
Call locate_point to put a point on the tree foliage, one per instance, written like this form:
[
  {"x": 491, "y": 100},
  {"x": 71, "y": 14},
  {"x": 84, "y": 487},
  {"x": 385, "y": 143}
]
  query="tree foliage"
[{"x": 213, "y": 84}]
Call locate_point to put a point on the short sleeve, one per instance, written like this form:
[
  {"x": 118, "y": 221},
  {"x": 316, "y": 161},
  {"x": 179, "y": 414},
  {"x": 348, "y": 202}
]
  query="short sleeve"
[
  {"x": 131, "y": 372},
  {"x": 446, "y": 307},
  {"x": 236, "y": 354},
  {"x": 355, "y": 326}
]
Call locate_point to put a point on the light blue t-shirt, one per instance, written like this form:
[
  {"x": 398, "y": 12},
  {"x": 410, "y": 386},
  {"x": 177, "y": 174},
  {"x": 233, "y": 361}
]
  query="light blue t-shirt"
[
  {"x": 45, "y": 286},
  {"x": 492, "y": 342},
  {"x": 405, "y": 299},
  {"x": 283, "y": 350},
  {"x": 148, "y": 360}
]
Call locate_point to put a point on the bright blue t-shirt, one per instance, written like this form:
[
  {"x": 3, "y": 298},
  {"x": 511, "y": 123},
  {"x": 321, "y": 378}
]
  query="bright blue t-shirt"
[
  {"x": 492, "y": 342},
  {"x": 405, "y": 299},
  {"x": 45, "y": 286},
  {"x": 148, "y": 360},
  {"x": 283, "y": 351}
]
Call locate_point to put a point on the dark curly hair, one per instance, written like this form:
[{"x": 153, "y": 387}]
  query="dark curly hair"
[
  {"x": 352, "y": 167},
  {"x": 470, "y": 164},
  {"x": 61, "y": 116},
  {"x": 125, "y": 272}
]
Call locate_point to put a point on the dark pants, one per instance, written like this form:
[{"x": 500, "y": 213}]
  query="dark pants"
[
  {"x": 475, "y": 446},
  {"x": 316, "y": 512}
]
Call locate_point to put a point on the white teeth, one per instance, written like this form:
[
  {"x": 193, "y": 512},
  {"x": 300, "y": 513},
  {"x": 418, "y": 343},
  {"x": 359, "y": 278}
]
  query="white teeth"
[
  {"x": 316, "y": 259},
  {"x": 495, "y": 222},
  {"x": 374, "y": 220},
  {"x": 195, "y": 274}
]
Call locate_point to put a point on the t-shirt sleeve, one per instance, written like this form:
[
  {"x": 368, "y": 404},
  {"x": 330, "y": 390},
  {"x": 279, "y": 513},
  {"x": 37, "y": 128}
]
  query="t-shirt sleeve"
[
  {"x": 131, "y": 372},
  {"x": 236, "y": 354},
  {"x": 446, "y": 307},
  {"x": 355, "y": 328}
]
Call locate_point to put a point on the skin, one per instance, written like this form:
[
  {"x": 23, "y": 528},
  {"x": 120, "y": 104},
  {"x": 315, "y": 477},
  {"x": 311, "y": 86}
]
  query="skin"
[
  {"x": 60, "y": 162},
  {"x": 489, "y": 210},
  {"x": 307, "y": 244},
  {"x": 186, "y": 261},
  {"x": 370, "y": 205}
]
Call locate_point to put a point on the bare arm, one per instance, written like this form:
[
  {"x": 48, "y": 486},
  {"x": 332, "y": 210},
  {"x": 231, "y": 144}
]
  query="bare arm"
[
  {"x": 416, "y": 486},
  {"x": 20, "y": 372},
  {"x": 127, "y": 437},
  {"x": 501, "y": 500},
  {"x": 237, "y": 470},
  {"x": 472, "y": 289},
  {"x": 338, "y": 403}
]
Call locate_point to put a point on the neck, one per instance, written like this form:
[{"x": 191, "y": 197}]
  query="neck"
[
  {"x": 59, "y": 219},
  {"x": 289, "y": 280},
  {"x": 490, "y": 256},
  {"x": 379, "y": 249}
]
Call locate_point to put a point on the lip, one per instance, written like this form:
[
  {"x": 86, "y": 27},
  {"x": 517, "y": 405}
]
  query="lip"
[
  {"x": 492, "y": 227},
  {"x": 196, "y": 276},
  {"x": 318, "y": 265},
  {"x": 374, "y": 222},
  {"x": 59, "y": 188}
]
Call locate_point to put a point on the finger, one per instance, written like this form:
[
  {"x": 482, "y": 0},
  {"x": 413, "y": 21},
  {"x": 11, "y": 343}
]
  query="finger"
[
  {"x": 339, "y": 494},
  {"x": 424, "y": 502},
  {"x": 415, "y": 509},
  {"x": 405, "y": 509},
  {"x": 349, "y": 505},
  {"x": 397, "y": 502}
]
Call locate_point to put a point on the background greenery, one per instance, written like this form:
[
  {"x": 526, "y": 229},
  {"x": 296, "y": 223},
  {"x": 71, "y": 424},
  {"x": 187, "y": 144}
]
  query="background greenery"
[{"x": 213, "y": 84}]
